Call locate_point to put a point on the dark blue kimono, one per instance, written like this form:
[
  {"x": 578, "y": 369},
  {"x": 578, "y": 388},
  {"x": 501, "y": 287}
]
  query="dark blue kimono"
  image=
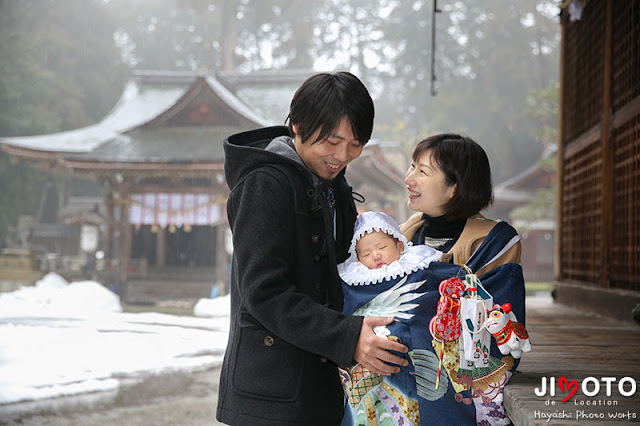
[{"x": 410, "y": 395}]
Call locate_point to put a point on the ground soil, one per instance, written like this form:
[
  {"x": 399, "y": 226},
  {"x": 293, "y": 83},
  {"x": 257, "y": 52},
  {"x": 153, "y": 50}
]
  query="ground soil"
[{"x": 168, "y": 399}]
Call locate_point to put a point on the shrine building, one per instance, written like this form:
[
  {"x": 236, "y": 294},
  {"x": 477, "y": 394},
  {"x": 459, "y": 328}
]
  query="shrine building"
[{"x": 159, "y": 156}]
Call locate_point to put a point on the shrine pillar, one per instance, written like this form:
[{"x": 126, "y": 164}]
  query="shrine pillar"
[
  {"x": 124, "y": 246},
  {"x": 161, "y": 246},
  {"x": 109, "y": 225}
]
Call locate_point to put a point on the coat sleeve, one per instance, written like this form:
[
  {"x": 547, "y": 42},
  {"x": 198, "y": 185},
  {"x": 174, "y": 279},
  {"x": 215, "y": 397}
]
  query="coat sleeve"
[{"x": 262, "y": 218}]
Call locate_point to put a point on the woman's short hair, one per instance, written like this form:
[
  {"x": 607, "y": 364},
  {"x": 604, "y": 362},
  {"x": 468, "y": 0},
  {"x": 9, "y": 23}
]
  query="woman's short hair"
[
  {"x": 465, "y": 163},
  {"x": 325, "y": 99}
]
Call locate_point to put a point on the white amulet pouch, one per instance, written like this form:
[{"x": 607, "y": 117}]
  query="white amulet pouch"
[{"x": 473, "y": 314}]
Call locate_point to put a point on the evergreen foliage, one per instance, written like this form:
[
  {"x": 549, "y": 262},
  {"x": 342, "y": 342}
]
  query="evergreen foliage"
[{"x": 60, "y": 70}]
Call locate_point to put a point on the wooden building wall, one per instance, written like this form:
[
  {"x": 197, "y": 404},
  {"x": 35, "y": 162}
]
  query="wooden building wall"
[{"x": 599, "y": 148}]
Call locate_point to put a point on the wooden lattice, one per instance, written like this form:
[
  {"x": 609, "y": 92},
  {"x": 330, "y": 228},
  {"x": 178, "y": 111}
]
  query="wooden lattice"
[
  {"x": 582, "y": 216},
  {"x": 626, "y": 52},
  {"x": 583, "y": 71},
  {"x": 600, "y": 199},
  {"x": 625, "y": 241}
]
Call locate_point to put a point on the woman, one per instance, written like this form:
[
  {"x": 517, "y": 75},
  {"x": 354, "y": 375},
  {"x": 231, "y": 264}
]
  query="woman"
[
  {"x": 456, "y": 372},
  {"x": 449, "y": 183}
]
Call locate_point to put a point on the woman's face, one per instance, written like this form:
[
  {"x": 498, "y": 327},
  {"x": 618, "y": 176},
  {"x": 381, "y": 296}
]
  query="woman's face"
[{"x": 428, "y": 191}]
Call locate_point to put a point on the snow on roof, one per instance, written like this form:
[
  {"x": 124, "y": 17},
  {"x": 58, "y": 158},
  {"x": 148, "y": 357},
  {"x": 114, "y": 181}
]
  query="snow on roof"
[
  {"x": 167, "y": 144},
  {"x": 531, "y": 170},
  {"x": 146, "y": 96},
  {"x": 536, "y": 225},
  {"x": 512, "y": 189},
  {"x": 268, "y": 92},
  {"x": 271, "y": 102},
  {"x": 232, "y": 100},
  {"x": 136, "y": 106},
  {"x": 501, "y": 193}
]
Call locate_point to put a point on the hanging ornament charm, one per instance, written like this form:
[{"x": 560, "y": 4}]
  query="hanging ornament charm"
[
  {"x": 511, "y": 336},
  {"x": 447, "y": 319}
]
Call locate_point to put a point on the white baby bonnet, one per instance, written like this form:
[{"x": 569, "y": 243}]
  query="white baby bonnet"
[{"x": 413, "y": 258}]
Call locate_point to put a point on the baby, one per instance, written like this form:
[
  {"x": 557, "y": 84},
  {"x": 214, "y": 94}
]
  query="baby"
[
  {"x": 379, "y": 251},
  {"x": 376, "y": 282}
]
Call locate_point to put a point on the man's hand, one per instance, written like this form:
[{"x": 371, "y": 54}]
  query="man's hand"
[{"x": 373, "y": 351}]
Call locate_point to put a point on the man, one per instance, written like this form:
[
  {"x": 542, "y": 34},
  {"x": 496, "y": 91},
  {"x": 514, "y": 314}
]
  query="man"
[{"x": 291, "y": 213}]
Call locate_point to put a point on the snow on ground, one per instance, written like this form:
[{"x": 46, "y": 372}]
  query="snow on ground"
[{"x": 59, "y": 338}]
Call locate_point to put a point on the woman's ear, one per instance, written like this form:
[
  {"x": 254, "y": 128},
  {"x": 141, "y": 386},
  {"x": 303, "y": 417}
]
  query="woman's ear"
[
  {"x": 452, "y": 190},
  {"x": 295, "y": 128}
]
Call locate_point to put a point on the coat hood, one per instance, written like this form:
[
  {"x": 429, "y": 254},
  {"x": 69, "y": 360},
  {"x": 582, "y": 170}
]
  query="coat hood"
[
  {"x": 272, "y": 146},
  {"x": 244, "y": 152}
]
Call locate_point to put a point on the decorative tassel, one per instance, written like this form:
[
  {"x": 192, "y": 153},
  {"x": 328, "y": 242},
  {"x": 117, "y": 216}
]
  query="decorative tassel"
[{"x": 440, "y": 364}]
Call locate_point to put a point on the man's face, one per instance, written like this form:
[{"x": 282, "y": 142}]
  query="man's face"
[{"x": 327, "y": 157}]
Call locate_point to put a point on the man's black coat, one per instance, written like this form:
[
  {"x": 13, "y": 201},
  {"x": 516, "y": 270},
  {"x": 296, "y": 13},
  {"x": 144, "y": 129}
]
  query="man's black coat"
[{"x": 287, "y": 331}]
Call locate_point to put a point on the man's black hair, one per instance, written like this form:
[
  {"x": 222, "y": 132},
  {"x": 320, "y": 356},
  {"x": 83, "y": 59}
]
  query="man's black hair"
[{"x": 325, "y": 99}]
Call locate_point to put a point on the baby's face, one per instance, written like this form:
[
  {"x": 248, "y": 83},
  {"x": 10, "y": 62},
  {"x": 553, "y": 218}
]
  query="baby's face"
[{"x": 377, "y": 249}]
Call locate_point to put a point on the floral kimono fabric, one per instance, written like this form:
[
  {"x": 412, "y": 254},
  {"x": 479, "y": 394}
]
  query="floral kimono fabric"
[{"x": 441, "y": 385}]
